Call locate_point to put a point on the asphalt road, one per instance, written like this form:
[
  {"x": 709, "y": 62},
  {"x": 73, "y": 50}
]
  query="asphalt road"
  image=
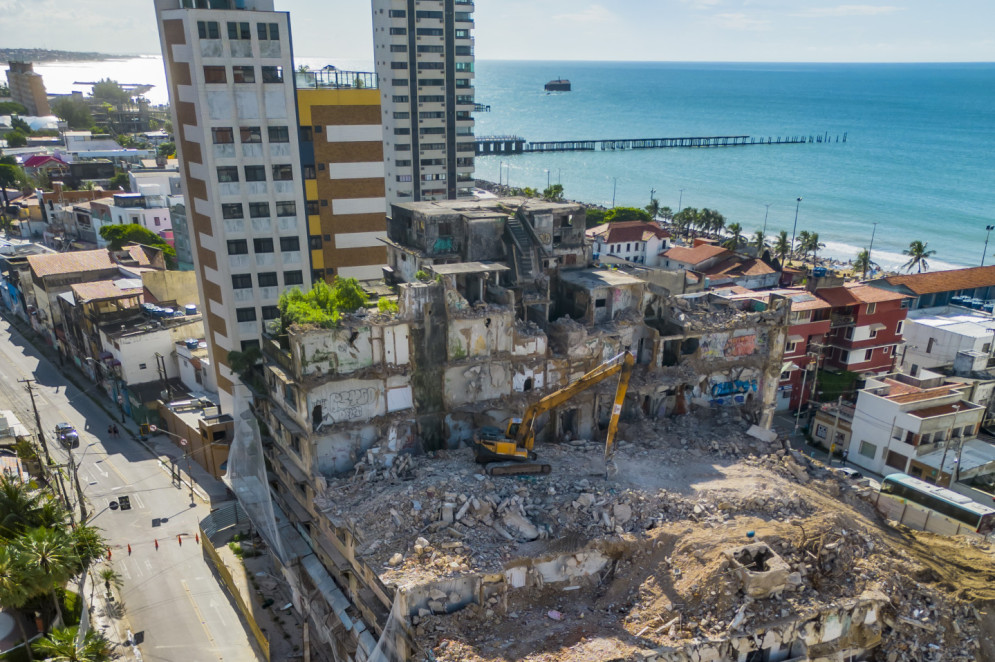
[{"x": 172, "y": 601}]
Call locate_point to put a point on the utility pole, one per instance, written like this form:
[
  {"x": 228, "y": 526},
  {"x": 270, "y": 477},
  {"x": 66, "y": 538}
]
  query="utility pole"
[
  {"x": 29, "y": 384},
  {"x": 946, "y": 447},
  {"x": 74, "y": 468},
  {"x": 836, "y": 424}
]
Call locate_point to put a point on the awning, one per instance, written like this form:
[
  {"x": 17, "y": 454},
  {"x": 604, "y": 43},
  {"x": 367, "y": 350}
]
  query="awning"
[
  {"x": 796, "y": 338},
  {"x": 877, "y": 326},
  {"x": 788, "y": 366}
]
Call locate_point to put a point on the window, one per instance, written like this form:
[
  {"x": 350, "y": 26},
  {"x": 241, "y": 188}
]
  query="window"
[
  {"x": 887, "y": 351},
  {"x": 397, "y": 13},
  {"x": 312, "y": 207},
  {"x": 900, "y": 327},
  {"x": 398, "y": 48},
  {"x": 428, "y": 32},
  {"x": 462, "y": 34},
  {"x": 600, "y": 303},
  {"x": 208, "y": 30},
  {"x": 432, "y": 115},
  {"x": 402, "y": 116},
  {"x": 874, "y": 332},
  {"x": 245, "y": 314},
  {"x": 250, "y": 134},
  {"x": 868, "y": 450},
  {"x": 308, "y": 172},
  {"x": 215, "y": 75},
  {"x": 268, "y": 279},
  {"x": 238, "y": 30},
  {"x": 286, "y": 208},
  {"x": 272, "y": 74},
  {"x": 431, "y": 98},
  {"x": 293, "y": 277},
  {"x": 431, "y": 65},
  {"x": 290, "y": 243},
  {"x": 429, "y": 130},
  {"x": 464, "y": 66},
  {"x": 227, "y": 174},
  {"x": 402, "y": 163},
  {"x": 306, "y": 134},
  {"x": 278, "y": 134},
  {"x": 262, "y": 244},
  {"x": 431, "y": 49},
  {"x": 871, "y": 308},
  {"x": 404, "y": 178},
  {"x": 929, "y": 345},
  {"x": 402, "y": 148},
  {"x": 243, "y": 74},
  {"x": 398, "y": 65},
  {"x": 429, "y": 14},
  {"x": 317, "y": 128},
  {"x": 238, "y": 247},
  {"x": 844, "y": 356},
  {"x": 142, "y": 366},
  {"x": 398, "y": 31},
  {"x": 241, "y": 281},
  {"x": 896, "y": 460},
  {"x": 223, "y": 135},
  {"x": 402, "y": 98},
  {"x": 399, "y": 82},
  {"x": 271, "y": 312},
  {"x": 255, "y": 173},
  {"x": 258, "y": 209},
  {"x": 402, "y": 131},
  {"x": 431, "y": 82},
  {"x": 314, "y": 242},
  {"x": 232, "y": 210},
  {"x": 790, "y": 348},
  {"x": 463, "y": 82},
  {"x": 868, "y": 354},
  {"x": 848, "y": 333},
  {"x": 272, "y": 34},
  {"x": 283, "y": 172}
]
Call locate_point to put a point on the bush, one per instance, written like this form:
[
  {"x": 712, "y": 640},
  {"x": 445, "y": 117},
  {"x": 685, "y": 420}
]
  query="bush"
[
  {"x": 387, "y": 306},
  {"x": 422, "y": 275},
  {"x": 323, "y": 305}
]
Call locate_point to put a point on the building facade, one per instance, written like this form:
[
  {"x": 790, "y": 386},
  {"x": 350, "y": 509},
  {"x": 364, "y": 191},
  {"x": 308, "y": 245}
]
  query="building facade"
[
  {"x": 424, "y": 62},
  {"x": 342, "y": 159},
  {"x": 234, "y": 108},
  {"x": 866, "y": 327},
  {"x": 27, "y": 88}
]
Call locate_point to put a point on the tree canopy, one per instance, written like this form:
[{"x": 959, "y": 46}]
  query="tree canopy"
[
  {"x": 917, "y": 256},
  {"x": 110, "y": 91},
  {"x": 619, "y": 214},
  {"x": 554, "y": 193},
  {"x": 133, "y": 233},
  {"x": 74, "y": 111},
  {"x": 16, "y": 138},
  {"x": 12, "y": 108},
  {"x": 166, "y": 150},
  {"x": 322, "y": 305}
]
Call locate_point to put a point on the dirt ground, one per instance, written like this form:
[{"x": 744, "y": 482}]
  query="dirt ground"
[{"x": 683, "y": 492}]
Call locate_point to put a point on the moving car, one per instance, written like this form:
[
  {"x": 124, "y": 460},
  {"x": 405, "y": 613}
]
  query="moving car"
[{"x": 67, "y": 435}]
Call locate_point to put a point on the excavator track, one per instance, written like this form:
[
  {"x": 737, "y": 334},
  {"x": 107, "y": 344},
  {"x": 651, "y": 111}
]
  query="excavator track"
[{"x": 516, "y": 468}]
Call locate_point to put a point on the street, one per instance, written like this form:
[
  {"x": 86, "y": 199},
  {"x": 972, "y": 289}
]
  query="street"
[{"x": 172, "y": 602}]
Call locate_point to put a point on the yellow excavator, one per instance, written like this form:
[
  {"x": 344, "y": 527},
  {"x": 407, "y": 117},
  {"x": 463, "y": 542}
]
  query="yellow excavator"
[{"x": 510, "y": 453}]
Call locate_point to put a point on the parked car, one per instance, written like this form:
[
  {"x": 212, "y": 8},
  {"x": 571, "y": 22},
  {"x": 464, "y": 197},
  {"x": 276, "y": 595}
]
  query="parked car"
[
  {"x": 67, "y": 435},
  {"x": 847, "y": 472}
]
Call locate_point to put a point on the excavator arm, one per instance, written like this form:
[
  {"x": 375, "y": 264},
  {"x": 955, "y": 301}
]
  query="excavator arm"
[{"x": 525, "y": 434}]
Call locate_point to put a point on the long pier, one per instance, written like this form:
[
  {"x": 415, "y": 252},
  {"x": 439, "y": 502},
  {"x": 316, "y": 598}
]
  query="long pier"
[{"x": 507, "y": 145}]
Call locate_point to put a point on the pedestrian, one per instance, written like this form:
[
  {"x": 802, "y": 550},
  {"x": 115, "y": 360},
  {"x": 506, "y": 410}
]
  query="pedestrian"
[
  {"x": 116, "y": 433},
  {"x": 843, "y": 459},
  {"x": 110, "y": 430}
]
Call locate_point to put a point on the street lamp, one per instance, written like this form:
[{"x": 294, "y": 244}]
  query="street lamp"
[
  {"x": 795, "y": 227},
  {"x": 500, "y": 171},
  {"x": 183, "y": 443},
  {"x": 614, "y": 187},
  {"x": 680, "y": 201},
  {"x": 765, "y": 217},
  {"x": 546, "y": 170},
  {"x": 989, "y": 229},
  {"x": 100, "y": 374},
  {"x": 871, "y": 247}
]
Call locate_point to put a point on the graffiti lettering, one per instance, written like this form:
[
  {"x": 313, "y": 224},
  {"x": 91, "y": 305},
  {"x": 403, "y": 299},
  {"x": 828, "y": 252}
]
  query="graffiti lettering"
[
  {"x": 722, "y": 389},
  {"x": 741, "y": 346}
]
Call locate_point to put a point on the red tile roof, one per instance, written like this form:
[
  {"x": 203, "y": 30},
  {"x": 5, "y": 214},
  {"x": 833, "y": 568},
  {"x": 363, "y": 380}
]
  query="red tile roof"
[
  {"x": 695, "y": 255},
  {"x": 900, "y": 388},
  {"x": 735, "y": 267},
  {"x": 946, "y": 281},
  {"x": 42, "y": 159},
  {"x": 940, "y": 410},
  {"x": 613, "y": 233},
  {"x": 916, "y": 396},
  {"x": 850, "y": 295},
  {"x": 73, "y": 262}
]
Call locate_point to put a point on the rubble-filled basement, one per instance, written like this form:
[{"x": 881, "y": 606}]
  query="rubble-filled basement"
[{"x": 704, "y": 544}]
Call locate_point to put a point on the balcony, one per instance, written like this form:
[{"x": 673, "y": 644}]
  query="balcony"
[
  {"x": 262, "y": 225},
  {"x": 244, "y": 294},
  {"x": 837, "y": 321},
  {"x": 234, "y": 226}
]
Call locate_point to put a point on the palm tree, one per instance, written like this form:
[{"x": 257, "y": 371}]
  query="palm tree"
[
  {"x": 110, "y": 578},
  {"x": 759, "y": 240},
  {"x": 802, "y": 243},
  {"x": 51, "y": 552},
  {"x": 19, "y": 507},
  {"x": 686, "y": 219},
  {"x": 17, "y": 582},
  {"x": 862, "y": 263},
  {"x": 737, "y": 235},
  {"x": 813, "y": 245},
  {"x": 60, "y": 646},
  {"x": 667, "y": 213},
  {"x": 917, "y": 256},
  {"x": 653, "y": 208},
  {"x": 712, "y": 221},
  {"x": 782, "y": 246}
]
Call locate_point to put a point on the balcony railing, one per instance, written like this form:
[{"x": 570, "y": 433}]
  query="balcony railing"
[
  {"x": 836, "y": 321},
  {"x": 335, "y": 79}
]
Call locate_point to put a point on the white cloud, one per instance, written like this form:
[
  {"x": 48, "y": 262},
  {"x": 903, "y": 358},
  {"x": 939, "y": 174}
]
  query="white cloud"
[
  {"x": 702, "y": 4},
  {"x": 593, "y": 14},
  {"x": 850, "y": 10},
  {"x": 740, "y": 21}
]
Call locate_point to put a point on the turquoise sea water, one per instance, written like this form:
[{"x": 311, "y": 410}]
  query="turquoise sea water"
[{"x": 919, "y": 157}]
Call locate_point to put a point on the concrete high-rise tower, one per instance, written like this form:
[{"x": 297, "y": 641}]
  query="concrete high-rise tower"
[
  {"x": 229, "y": 70},
  {"x": 424, "y": 61}
]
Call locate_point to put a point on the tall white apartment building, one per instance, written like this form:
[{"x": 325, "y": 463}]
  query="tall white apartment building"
[
  {"x": 424, "y": 62},
  {"x": 230, "y": 74}
]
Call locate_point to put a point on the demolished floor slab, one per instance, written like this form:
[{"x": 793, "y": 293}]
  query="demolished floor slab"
[{"x": 649, "y": 564}]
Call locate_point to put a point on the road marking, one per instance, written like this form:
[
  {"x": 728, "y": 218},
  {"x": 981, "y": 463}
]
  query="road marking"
[
  {"x": 200, "y": 617},
  {"x": 138, "y": 500}
]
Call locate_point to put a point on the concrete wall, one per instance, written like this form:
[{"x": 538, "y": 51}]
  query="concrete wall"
[
  {"x": 350, "y": 348},
  {"x": 137, "y": 352},
  {"x": 352, "y": 400},
  {"x": 178, "y": 286}
]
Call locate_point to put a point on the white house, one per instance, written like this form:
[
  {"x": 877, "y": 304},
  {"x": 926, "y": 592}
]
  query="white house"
[
  {"x": 898, "y": 418},
  {"x": 635, "y": 241},
  {"x": 134, "y": 347},
  {"x": 696, "y": 258},
  {"x": 935, "y": 336}
]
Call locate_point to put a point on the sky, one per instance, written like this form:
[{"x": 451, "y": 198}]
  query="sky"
[{"x": 643, "y": 30}]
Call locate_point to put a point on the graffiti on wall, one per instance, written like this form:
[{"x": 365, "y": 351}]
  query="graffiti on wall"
[
  {"x": 346, "y": 405},
  {"x": 726, "y": 345},
  {"x": 723, "y": 389}
]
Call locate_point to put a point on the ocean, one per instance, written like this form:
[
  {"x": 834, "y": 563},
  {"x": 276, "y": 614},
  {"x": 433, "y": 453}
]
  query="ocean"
[{"x": 918, "y": 159}]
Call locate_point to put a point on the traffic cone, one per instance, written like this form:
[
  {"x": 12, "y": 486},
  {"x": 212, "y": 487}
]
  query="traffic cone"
[
  {"x": 129, "y": 549},
  {"x": 179, "y": 539},
  {"x": 196, "y": 537},
  {"x": 157, "y": 544},
  {"x": 108, "y": 553}
]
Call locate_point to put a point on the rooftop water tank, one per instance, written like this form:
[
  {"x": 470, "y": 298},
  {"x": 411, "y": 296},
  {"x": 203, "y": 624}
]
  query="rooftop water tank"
[
  {"x": 192, "y": 343},
  {"x": 191, "y": 309}
]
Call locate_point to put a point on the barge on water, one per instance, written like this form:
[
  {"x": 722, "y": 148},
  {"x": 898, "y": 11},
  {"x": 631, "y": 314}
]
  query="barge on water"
[{"x": 558, "y": 85}]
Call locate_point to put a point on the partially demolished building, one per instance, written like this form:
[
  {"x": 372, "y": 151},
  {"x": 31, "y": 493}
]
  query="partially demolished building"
[{"x": 498, "y": 302}]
